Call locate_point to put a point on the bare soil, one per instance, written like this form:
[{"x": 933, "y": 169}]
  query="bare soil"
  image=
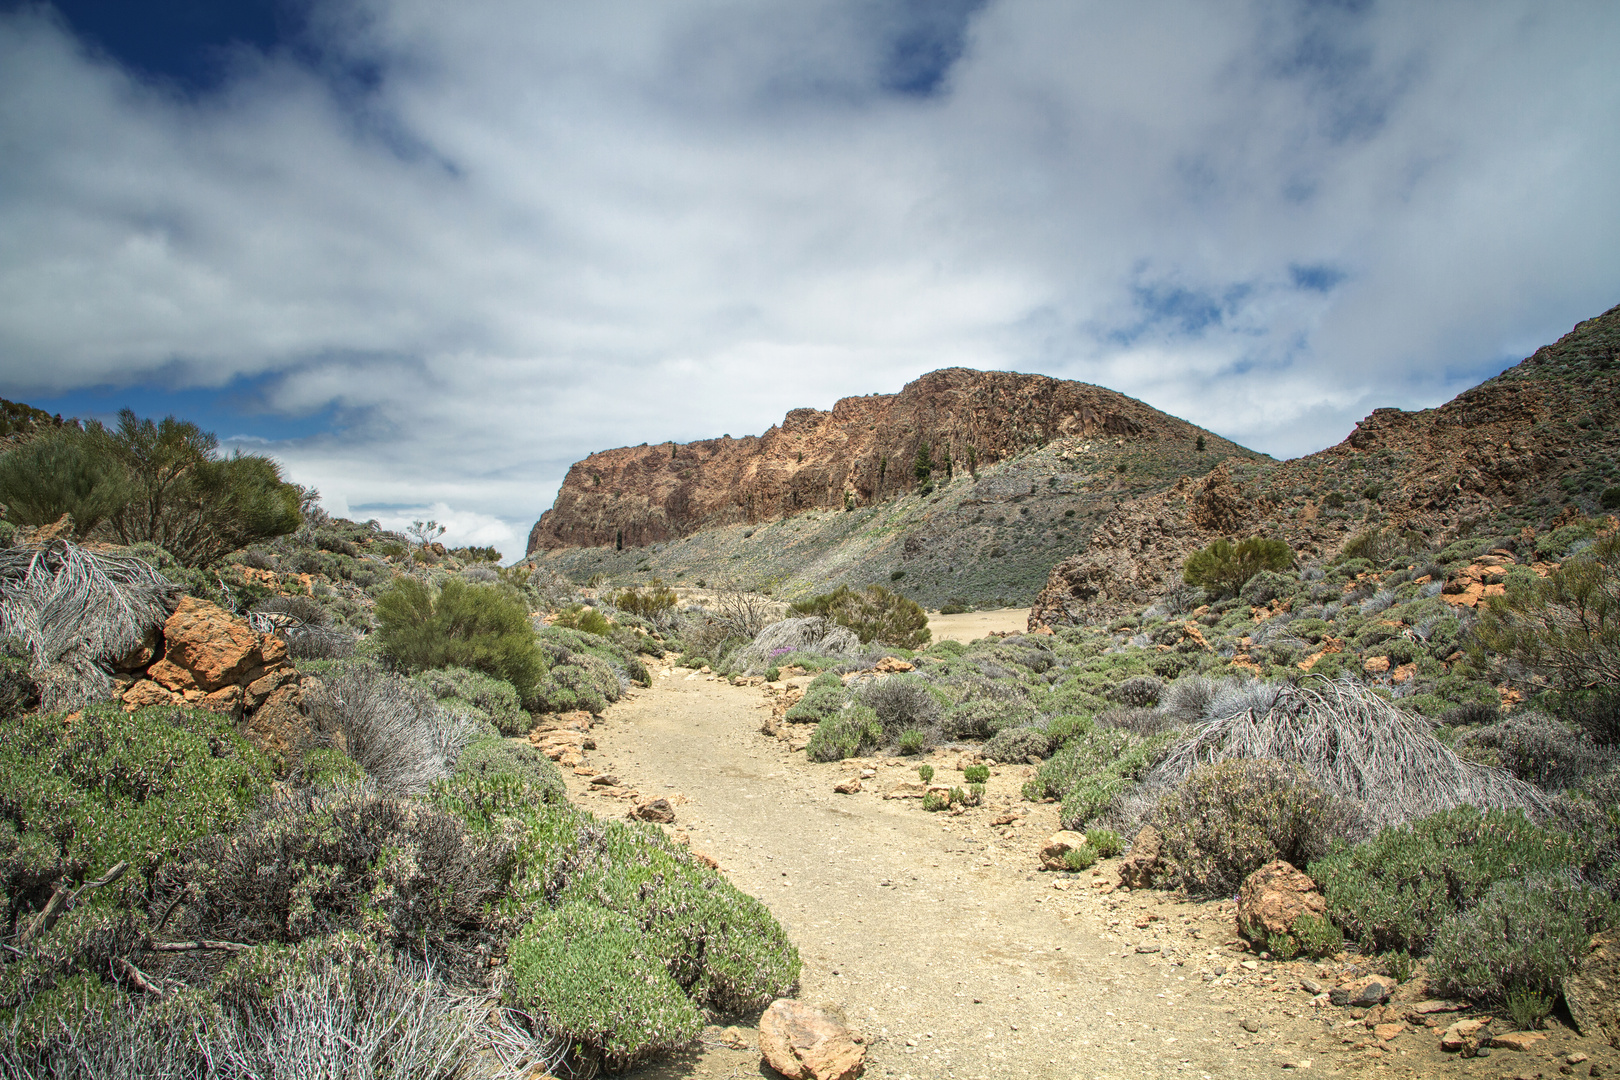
[
  {"x": 942, "y": 942},
  {"x": 972, "y": 625}
]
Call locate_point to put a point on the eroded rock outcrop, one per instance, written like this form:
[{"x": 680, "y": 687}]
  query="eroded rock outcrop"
[{"x": 863, "y": 451}]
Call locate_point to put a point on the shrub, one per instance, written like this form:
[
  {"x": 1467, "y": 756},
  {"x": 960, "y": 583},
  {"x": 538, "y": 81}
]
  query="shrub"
[
  {"x": 653, "y": 604},
  {"x": 61, "y": 472},
  {"x": 1089, "y": 753},
  {"x": 1188, "y": 699},
  {"x": 1523, "y": 936},
  {"x": 846, "y": 733},
  {"x": 1106, "y": 842},
  {"x": 394, "y": 728},
  {"x": 1265, "y": 587},
  {"x": 491, "y": 757},
  {"x": 483, "y": 627},
  {"x": 494, "y": 700},
  {"x": 588, "y": 971},
  {"x": 820, "y": 702},
  {"x": 1228, "y": 820},
  {"x": 976, "y": 774},
  {"x": 1018, "y": 744},
  {"x": 1536, "y": 748},
  {"x": 983, "y": 717},
  {"x": 1144, "y": 722},
  {"x": 1078, "y": 858},
  {"x": 1394, "y": 891},
  {"x": 1223, "y": 567},
  {"x": 1313, "y": 935},
  {"x": 400, "y": 872},
  {"x": 925, "y": 773},
  {"x": 913, "y": 741},
  {"x": 901, "y": 702},
  {"x": 1138, "y": 692},
  {"x": 874, "y": 613},
  {"x": 935, "y": 801}
]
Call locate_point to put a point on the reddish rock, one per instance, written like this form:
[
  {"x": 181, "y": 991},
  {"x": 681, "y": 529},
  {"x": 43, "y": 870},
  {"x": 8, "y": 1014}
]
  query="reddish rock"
[
  {"x": 848, "y": 787},
  {"x": 146, "y": 692},
  {"x": 1593, "y": 991},
  {"x": 1273, "y": 897},
  {"x": 1137, "y": 870},
  {"x": 1517, "y": 1040},
  {"x": 213, "y": 647},
  {"x": 803, "y": 1042},
  {"x": 655, "y": 810},
  {"x": 1057, "y": 846}
]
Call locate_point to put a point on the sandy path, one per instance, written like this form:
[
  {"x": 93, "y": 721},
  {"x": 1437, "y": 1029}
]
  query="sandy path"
[
  {"x": 935, "y": 933},
  {"x": 972, "y": 625}
]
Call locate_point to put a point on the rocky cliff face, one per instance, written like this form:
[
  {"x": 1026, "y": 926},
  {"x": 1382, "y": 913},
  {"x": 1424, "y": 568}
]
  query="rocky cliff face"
[
  {"x": 862, "y": 452},
  {"x": 1536, "y": 442}
]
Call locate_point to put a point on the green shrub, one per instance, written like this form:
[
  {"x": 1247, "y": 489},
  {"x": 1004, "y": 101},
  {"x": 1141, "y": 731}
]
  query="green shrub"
[
  {"x": 873, "y": 613},
  {"x": 975, "y": 795},
  {"x": 656, "y": 600},
  {"x": 772, "y": 674},
  {"x": 981, "y": 718},
  {"x": 590, "y": 973},
  {"x": 484, "y": 627},
  {"x": 1080, "y": 857},
  {"x": 1317, "y": 936},
  {"x": 1266, "y": 586},
  {"x": 935, "y": 801},
  {"x": 1229, "y": 819},
  {"x": 901, "y": 702},
  {"x": 494, "y": 700},
  {"x": 821, "y": 701},
  {"x": 1224, "y": 567},
  {"x": 846, "y": 733},
  {"x": 913, "y": 741},
  {"x": 1106, "y": 842},
  {"x": 492, "y": 756},
  {"x": 1394, "y": 891},
  {"x": 1524, "y": 935},
  {"x": 976, "y": 774},
  {"x": 1093, "y": 752},
  {"x": 111, "y": 786},
  {"x": 1018, "y": 744},
  {"x": 325, "y": 767},
  {"x": 925, "y": 773},
  {"x": 61, "y": 471}
]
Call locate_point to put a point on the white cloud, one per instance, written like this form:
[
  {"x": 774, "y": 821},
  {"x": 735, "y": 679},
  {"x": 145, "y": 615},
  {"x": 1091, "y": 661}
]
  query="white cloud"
[{"x": 553, "y": 229}]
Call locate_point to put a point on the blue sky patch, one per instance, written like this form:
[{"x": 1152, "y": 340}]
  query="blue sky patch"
[
  {"x": 234, "y": 411},
  {"x": 1319, "y": 278}
]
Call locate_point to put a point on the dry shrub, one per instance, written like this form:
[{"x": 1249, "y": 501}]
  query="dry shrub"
[
  {"x": 814, "y": 634},
  {"x": 1539, "y": 749},
  {"x": 1350, "y": 741},
  {"x": 1225, "y": 821},
  {"x": 394, "y": 728}
]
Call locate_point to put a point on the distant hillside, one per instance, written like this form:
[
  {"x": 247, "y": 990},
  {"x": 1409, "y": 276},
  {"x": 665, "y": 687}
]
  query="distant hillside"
[
  {"x": 1535, "y": 444},
  {"x": 1023, "y": 468},
  {"x": 18, "y": 421}
]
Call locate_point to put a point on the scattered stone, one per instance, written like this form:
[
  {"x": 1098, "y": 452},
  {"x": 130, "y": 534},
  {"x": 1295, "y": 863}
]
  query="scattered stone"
[
  {"x": 1250, "y": 1025},
  {"x": 1434, "y": 1005},
  {"x": 803, "y": 1042},
  {"x": 1387, "y": 1032},
  {"x": 1137, "y": 869},
  {"x": 893, "y": 665},
  {"x": 604, "y": 780},
  {"x": 907, "y": 789},
  {"x": 1517, "y": 1040},
  {"x": 1310, "y": 986},
  {"x": 1593, "y": 991},
  {"x": 867, "y": 774},
  {"x": 1461, "y": 1034},
  {"x": 1147, "y": 947},
  {"x": 1057, "y": 846},
  {"x": 1302, "y": 1063},
  {"x": 1365, "y": 992},
  {"x": 1005, "y": 819},
  {"x": 848, "y": 787},
  {"x": 1273, "y": 897},
  {"x": 657, "y": 811},
  {"x": 1251, "y": 965},
  {"x": 1577, "y": 1057},
  {"x": 734, "y": 1038}
]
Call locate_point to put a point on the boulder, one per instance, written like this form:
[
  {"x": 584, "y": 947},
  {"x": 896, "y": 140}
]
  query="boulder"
[
  {"x": 655, "y": 810},
  {"x": 1462, "y": 1034},
  {"x": 1593, "y": 991},
  {"x": 907, "y": 789},
  {"x": 208, "y": 648},
  {"x": 1362, "y": 993},
  {"x": 1057, "y": 846},
  {"x": 848, "y": 787},
  {"x": 1136, "y": 870},
  {"x": 891, "y": 665},
  {"x": 1273, "y": 897},
  {"x": 803, "y": 1042}
]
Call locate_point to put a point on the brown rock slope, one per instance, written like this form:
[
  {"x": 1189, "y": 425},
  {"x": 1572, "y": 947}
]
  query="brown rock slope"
[
  {"x": 1538, "y": 441},
  {"x": 864, "y": 451}
]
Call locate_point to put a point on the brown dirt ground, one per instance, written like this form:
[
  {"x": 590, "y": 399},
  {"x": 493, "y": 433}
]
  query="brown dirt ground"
[
  {"x": 942, "y": 942},
  {"x": 972, "y": 625}
]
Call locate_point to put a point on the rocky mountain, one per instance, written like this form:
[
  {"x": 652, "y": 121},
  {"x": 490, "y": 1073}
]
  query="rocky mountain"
[
  {"x": 1533, "y": 446},
  {"x": 1016, "y": 470}
]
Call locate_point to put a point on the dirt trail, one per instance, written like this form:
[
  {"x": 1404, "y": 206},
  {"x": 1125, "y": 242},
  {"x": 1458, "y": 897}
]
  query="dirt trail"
[{"x": 937, "y": 935}]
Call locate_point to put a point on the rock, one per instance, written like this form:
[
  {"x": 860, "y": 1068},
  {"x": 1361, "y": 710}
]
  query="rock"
[
  {"x": 1148, "y": 947},
  {"x": 1517, "y": 1040},
  {"x": 734, "y": 1038},
  {"x": 1375, "y": 665},
  {"x": 891, "y": 665},
  {"x": 279, "y": 725},
  {"x": 1006, "y": 819},
  {"x": 1364, "y": 992},
  {"x": 1593, "y": 991},
  {"x": 146, "y": 692},
  {"x": 656, "y": 810},
  {"x": 848, "y": 787},
  {"x": 1250, "y": 1025},
  {"x": 1137, "y": 869},
  {"x": 207, "y": 648},
  {"x": 803, "y": 1042},
  {"x": 1057, "y": 846},
  {"x": 605, "y": 780},
  {"x": 1273, "y": 897},
  {"x": 1388, "y": 1031},
  {"x": 907, "y": 789},
  {"x": 1310, "y": 986},
  {"x": 1461, "y": 1034}
]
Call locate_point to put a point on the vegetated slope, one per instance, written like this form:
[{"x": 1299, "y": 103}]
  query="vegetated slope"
[
  {"x": 1022, "y": 468},
  {"x": 19, "y": 422},
  {"x": 1535, "y": 443}
]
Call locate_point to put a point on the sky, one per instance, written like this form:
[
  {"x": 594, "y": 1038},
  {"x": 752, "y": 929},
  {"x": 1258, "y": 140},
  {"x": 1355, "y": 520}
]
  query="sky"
[{"x": 427, "y": 255}]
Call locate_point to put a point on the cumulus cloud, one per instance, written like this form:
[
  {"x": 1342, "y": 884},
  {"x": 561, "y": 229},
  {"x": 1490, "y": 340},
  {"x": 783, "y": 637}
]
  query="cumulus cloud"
[{"x": 533, "y": 231}]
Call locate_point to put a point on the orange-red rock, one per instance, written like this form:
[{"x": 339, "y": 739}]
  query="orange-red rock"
[
  {"x": 1274, "y": 897},
  {"x": 213, "y": 646},
  {"x": 803, "y": 1042}
]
